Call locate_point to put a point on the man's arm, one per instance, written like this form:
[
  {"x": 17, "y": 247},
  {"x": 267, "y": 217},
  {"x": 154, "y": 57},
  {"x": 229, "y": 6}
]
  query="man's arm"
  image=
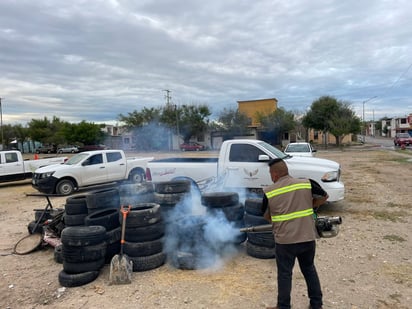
[{"x": 319, "y": 195}]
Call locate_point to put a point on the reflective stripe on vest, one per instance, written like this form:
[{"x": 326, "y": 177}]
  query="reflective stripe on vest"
[
  {"x": 293, "y": 215},
  {"x": 290, "y": 188},
  {"x": 286, "y": 189}
]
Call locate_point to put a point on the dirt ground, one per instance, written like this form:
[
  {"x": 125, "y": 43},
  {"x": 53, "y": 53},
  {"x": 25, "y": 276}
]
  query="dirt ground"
[{"x": 368, "y": 265}]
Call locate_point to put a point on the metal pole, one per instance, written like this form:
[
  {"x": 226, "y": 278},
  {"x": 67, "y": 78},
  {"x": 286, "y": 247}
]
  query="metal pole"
[
  {"x": 363, "y": 117},
  {"x": 1, "y": 125}
]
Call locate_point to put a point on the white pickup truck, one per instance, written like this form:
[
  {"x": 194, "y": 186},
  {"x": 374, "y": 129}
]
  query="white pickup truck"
[
  {"x": 243, "y": 165},
  {"x": 13, "y": 167},
  {"x": 88, "y": 169}
]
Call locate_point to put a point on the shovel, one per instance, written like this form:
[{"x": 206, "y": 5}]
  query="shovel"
[{"x": 121, "y": 267}]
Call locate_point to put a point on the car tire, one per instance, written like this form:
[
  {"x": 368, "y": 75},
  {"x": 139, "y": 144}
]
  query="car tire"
[
  {"x": 144, "y": 263},
  {"x": 76, "y": 268},
  {"x": 253, "y": 206},
  {"x": 143, "y": 248},
  {"x": 219, "y": 199},
  {"x": 107, "y": 217},
  {"x": 78, "y": 236},
  {"x": 142, "y": 214},
  {"x": 65, "y": 187},
  {"x": 137, "y": 176},
  {"x": 72, "y": 254},
  {"x": 74, "y": 280},
  {"x": 259, "y": 252}
]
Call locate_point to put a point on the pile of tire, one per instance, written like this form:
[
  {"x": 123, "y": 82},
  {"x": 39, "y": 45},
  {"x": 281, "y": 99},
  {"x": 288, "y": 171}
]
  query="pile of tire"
[
  {"x": 144, "y": 236},
  {"x": 168, "y": 194},
  {"x": 83, "y": 253},
  {"x": 104, "y": 198},
  {"x": 188, "y": 248},
  {"x": 75, "y": 210},
  {"x": 133, "y": 193},
  {"x": 258, "y": 245},
  {"x": 226, "y": 203}
]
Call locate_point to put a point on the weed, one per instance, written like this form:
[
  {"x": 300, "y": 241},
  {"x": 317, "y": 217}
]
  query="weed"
[{"x": 394, "y": 238}]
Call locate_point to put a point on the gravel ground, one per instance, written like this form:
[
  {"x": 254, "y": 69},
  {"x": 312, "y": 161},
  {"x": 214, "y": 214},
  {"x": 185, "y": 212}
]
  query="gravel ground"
[{"x": 368, "y": 265}]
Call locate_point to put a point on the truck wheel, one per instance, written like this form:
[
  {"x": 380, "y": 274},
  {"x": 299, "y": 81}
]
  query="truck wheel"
[
  {"x": 65, "y": 187},
  {"x": 136, "y": 176}
]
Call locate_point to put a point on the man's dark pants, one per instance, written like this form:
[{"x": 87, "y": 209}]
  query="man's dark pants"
[{"x": 285, "y": 260}]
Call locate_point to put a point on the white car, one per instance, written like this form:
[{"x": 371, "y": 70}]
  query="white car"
[
  {"x": 300, "y": 150},
  {"x": 68, "y": 149}
]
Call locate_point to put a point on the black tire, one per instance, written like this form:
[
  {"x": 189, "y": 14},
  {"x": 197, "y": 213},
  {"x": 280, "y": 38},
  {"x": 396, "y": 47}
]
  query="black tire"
[
  {"x": 232, "y": 213},
  {"x": 111, "y": 251},
  {"x": 74, "y": 220},
  {"x": 260, "y": 252},
  {"x": 145, "y": 233},
  {"x": 137, "y": 176},
  {"x": 106, "y": 198},
  {"x": 190, "y": 261},
  {"x": 137, "y": 198},
  {"x": 143, "y": 263},
  {"x": 135, "y": 189},
  {"x": 219, "y": 199},
  {"x": 77, "y": 268},
  {"x": 107, "y": 217},
  {"x": 38, "y": 213},
  {"x": 65, "y": 187},
  {"x": 73, "y": 280},
  {"x": 261, "y": 239},
  {"x": 253, "y": 206},
  {"x": 113, "y": 236},
  {"x": 174, "y": 186},
  {"x": 142, "y": 214},
  {"x": 144, "y": 248},
  {"x": 84, "y": 254},
  {"x": 38, "y": 230},
  {"x": 76, "y": 205},
  {"x": 58, "y": 256},
  {"x": 78, "y": 236},
  {"x": 252, "y": 220},
  {"x": 170, "y": 198}
]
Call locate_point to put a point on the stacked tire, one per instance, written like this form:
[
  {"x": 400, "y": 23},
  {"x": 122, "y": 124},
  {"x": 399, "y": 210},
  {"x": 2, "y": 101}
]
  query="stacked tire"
[
  {"x": 109, "y": 219},
  {"x": 75, "y": 210},
  {"x": 226, "y": 203},
  {"x": 168, "y": 194},
  {"x": 144, "y": 236},
  {"x": 258, "y": 245},
  {"x": 101, "y": 199},
  {"x": 131, "y": 194},
  {"x": 83, "y": 253}
]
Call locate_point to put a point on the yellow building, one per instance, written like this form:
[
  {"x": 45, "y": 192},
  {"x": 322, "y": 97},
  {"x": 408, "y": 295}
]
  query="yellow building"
[{"x": 252, "y": 107}]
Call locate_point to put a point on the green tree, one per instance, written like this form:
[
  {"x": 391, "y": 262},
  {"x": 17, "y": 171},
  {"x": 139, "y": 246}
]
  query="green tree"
[
  {"x": 87, "y": 133},
  {"x": 279, "y": 122},
  {"x": 233, "y": 122},
  {"x": 45, "y": 130},
  {"x": 193, "y": 120},
  {"x": 329, "y": 115}
]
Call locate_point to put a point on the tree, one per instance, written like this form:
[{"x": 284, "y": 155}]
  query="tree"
[
  {"x": 233, "y": 122},
  {"x": 329, "y": 115},
  {"x": 278, "y": 122},
  {"x": 46, "y": 131},
  {"x": 193, "y": 120}
]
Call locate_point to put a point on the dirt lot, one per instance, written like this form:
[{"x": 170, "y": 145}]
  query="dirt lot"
[{"x": 368, "y": 265}]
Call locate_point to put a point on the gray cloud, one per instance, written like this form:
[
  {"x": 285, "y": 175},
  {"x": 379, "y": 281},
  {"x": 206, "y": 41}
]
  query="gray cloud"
[{"x": 92, "y": 60}]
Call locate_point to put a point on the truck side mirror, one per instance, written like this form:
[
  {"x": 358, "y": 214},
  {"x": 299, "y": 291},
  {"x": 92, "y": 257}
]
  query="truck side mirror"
[{"x": 263, "y": 158}]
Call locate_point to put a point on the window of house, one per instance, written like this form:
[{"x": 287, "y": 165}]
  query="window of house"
[{"x": 315, "y": 135}]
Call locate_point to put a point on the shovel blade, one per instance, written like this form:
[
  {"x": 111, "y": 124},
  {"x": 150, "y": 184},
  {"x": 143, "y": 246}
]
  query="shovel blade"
[{"x": 121, "y": 268}]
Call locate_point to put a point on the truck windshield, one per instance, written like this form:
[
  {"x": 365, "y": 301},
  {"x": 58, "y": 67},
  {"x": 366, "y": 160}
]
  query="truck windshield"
[
  {"x": 76, "y": 159},
  {"x": 273, "y": 150}
]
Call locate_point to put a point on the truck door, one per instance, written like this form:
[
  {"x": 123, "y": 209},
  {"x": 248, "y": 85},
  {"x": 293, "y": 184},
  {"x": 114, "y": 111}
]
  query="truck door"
[
  {"x": 116, "y": 166},
  {"x": 10, "y": 164},
  {"x": 95, "y": 170},
  {"x": 243, "y": 168}
]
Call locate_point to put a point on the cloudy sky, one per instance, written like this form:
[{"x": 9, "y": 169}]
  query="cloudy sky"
[{"x": 92, "y": 60}]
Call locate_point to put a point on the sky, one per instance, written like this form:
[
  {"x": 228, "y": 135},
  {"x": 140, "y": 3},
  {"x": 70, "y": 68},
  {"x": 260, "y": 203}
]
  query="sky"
[{"x": 94, "y": 60}]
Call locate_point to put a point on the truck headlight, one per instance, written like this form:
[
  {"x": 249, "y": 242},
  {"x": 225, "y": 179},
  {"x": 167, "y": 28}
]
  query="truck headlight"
[
  {"x": 330, "y": 176},
  {"x": 46, "y": 175}
]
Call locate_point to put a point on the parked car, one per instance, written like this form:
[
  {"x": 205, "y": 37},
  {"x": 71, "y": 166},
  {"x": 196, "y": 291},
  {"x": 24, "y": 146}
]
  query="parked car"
[
  {"x": 46, "y": 149},
  {"x": 402, "y": 139},
  {"x": 68, "y": 149},
  {"x": 93, "y": 147},
  {"x": 192, "y": 146},
  {"x": 300, "y": 149}
]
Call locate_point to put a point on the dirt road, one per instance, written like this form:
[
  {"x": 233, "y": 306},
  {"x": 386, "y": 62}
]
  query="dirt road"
[{"x": 369, "y": 264}]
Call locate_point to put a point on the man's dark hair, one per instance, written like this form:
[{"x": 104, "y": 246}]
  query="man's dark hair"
[{"x": 274, "y": 161}]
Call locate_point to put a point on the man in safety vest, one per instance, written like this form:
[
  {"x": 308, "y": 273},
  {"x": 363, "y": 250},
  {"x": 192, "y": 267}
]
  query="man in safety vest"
[{"x": 289, "y": 204}]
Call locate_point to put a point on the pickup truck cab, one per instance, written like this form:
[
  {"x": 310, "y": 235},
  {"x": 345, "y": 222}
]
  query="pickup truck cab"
[
  {"x": 13, "y": 167},
  {"x": 242, "y": 165},
  {"x": 87, "y": 169}
]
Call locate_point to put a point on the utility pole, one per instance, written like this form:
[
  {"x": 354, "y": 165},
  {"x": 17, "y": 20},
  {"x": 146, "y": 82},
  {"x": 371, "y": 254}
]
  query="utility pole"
[
  {"x": 167, "y": 96},
  {"x": 1, "y": 125},
  {"x": 363, "y": 117}
]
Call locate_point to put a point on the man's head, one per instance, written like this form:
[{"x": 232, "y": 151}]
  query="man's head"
[{"x": 277, "y": 169}]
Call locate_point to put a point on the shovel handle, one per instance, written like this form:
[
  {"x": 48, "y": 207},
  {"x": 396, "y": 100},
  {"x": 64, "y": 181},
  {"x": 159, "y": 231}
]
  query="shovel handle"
[{"x": 124, "y": 210}]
